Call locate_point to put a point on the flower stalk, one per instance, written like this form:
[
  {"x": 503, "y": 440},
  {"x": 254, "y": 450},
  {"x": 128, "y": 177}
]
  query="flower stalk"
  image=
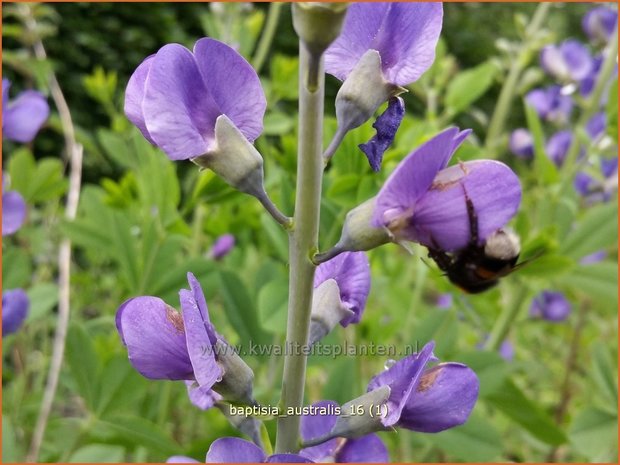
[{"x": 303, "y": 241}]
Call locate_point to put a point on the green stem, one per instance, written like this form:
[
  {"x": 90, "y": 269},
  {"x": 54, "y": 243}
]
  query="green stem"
[
  {"x": 303, "y": 241},
  {"x": 496, "y": 125},
  {"x": 267, "y": 37},
  {"x": 506, "y": 319},
  {"x": 591, "y": 107}
]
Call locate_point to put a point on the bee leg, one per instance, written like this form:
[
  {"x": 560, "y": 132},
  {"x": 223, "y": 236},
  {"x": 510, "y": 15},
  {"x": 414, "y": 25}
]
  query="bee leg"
[
  {"x": 473, "y": 219},
  {"x": 443, "y": 260}
]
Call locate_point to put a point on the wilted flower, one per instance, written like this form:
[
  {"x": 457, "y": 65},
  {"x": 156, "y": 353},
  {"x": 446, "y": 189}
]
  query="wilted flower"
[
  {"x": 366, "y": 449},
  {"x": 522, "y": 143},
  {"x": 557, "y": 146},
  {"x": 386, "y": 125},
  {"x": 13, "y": 210},
  {"x": 15, "y": 305},
  {"x": 382, "y": 47},
  {"x": 551, "y": 306},
  {"x": 23, "y": 117},
  {"x": 551, "y": 104},
  {"x": 165, "y": 344},
  {"x": 570, "y": 61},
  {"x": 222, "y": 246},
  {"x": 599, "y": 23}
]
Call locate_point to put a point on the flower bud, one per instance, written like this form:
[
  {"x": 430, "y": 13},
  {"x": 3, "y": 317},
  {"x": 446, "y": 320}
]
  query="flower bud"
[
  {"x": 362, "y": 415},
  {"x": 234, "y": 159},
  {"x": 327, "y": 310},
  {"x": 363, "y": 92},
  {"x": 318, "y": 24},
  {"x": 236, "y": 384}
]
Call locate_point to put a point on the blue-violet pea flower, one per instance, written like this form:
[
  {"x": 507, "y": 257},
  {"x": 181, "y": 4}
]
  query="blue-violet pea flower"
[
  {"x": 165, "y": 344},
  {"x": 222, "y": 246},
  {"x": 569, "y": 62},
  {"x": 206, "y": 105},
  {"x": 425, "y": 202},
  {"x": 599, "y": 23},
  {"x": 551, "y": 306},
  {"x": 551, "y": 104},
  {"x": 595, "y": 127},
  {"x": 522, "y": 143},
  {"x": 596, "y": 190},
  {"x": 13, "y": 210},
  {"x": 15, "y": 305},
  {"x": 594, "y": 257},
  {"x": 382, "y": 47},
  {"x": 586, "y": 86},
  {"x": 237, "y": 450},
  {"x": 557, "y": 146},
  {"x": 319, "y": 423},
  {"x": 23, "y": 117}
]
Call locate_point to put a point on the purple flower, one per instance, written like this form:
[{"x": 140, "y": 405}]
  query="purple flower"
[
  {"x": 366, "y": 449},
  {"x": 23, "y": 117},
  {"x": 13, "y": 210},
  {"x": 237, "y": 450},
  {"x": 550, "y": 104},
  {"x": 222, "y": 246},
  {"x": 557, "y": 146},
  {"x": 596, "y": 125},
  {"x": 351, "y": 271},
  {"x": 586, "y": 86},
  {"x": 15, "y": 304},
  {"x": 165, "y": 344},
  {"x": 597, "y": 190},
  {"x": 175, "y": 96},
  {"x": 584, "y": 183},
  {"x": 427, "y": 400},
  {"x": 570, "y": 61},
  {"x": 425, "y": 202},
  {"x": 599, "y": 23},
  {"x": 551, "y": 306},
  {"x": 522, "y": 143},
  {"x": 382, "y": 47},
  {"x": 386, "y": 125},
  {"x": 595, "y": 257},
  {"x": 507, "y": 350},
  {"x": 609, "y": 167},
  {"x": 444, "y": 301}
]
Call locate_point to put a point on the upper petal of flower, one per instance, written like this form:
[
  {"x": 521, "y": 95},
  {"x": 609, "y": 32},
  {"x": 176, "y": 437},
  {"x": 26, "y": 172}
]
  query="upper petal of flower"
[
  {"x": 13, "y": 212},
  {"x": 134, "y": 97},
  {"x": 230, "y": 450},
  {"x": 367, "y": 449},
  {"x": 23, "y": 117},
  {"x": 444, "y": 398},
  {"x": 233, "y": 84},
  {"x": 402, "y": 378},
  {"x": 15, "y": 305},
  {"x": 351, "y": 271},
  {"x": 179, "y": 112},
  {"x": 414, "y": 176},
  {"x": 441, "y": 218},
  {"x": 155, "y": 338},
  {"x": 287, "y": 458}
]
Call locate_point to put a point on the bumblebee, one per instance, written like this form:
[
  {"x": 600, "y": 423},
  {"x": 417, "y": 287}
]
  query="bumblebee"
[{"x": 478, "y": 267}]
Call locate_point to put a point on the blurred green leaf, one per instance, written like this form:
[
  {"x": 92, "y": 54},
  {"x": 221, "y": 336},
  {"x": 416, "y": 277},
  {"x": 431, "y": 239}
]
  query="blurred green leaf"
[
  {"x": 598, "y": 282},
  {"x": 43, "y": 298},
  {"x": 469, "y": 85},
  {"x": 544, "y": 168},
  {"x": 594, "y": 433},
  {"x": 16, "y": 267},
  {"x": 604, "y": 373},
  {"x": 11, "y": 448},
  {"x": 548, "y": 265},
  {"x": 98, "y": 453},
  {"x": 272, "y": 306},
  {"x": 83, "y": 363},
  {"x": 612, "y": 110},
  {"x": 596, "y": 230}
]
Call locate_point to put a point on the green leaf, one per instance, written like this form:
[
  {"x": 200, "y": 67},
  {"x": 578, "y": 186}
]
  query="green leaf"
[
  {"x": 16, "y": 267},
  {"x": 594, "y": 433},
  {"x": 596, "y": 230},
  {"x": 548, "y": 265},
  {"x": 276, "y": 236},
  {"x": 98, "y": 453},
  {"x": 41, "y": 181},
  {"x": 240, "y": 309},
  {"x": 514, "y": 404},
  {"x": 83, "y": 363},
  {"x": 11, "y": 447},
  {"x": 43, "y": 298},
  {"x": 272, "y": 306},
  {"x": 490, "y": 367},
  {"x": 475, "y": 441},
  {"x": 598, "y": 282},
  {"x": 470, "y": 85},
  {"x": 603, "y": 373},
  {"x": 277, "y": 123},
  {"x": 545, "y": 169},
  {"x": 284, "y": 71},
  {"x": 612, "y": 110}
]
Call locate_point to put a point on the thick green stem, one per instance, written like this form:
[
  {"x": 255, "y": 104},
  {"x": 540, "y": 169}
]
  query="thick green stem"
[
  {"x": 303, "y": 242},
  {"x": 506, "y": 96},
  {"x": 506, "y": 318},
  {"x": 266, "y": 38}
]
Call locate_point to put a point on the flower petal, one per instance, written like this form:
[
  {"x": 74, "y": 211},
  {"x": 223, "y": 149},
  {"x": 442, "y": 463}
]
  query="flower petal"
[
  {"x": 15, "y": 305},
  {"x": 413, "y": 176},
  {"x": 178, "y": 110},
  {"x": 596, "y": 125},
  {"x": 222, "y": 246},
  {"x": 577, "y": 58},
  {"x": 522, "y": 143},
  {"x": 367, "y": 449},
  {"x": 361, "y": 24},
  {"x": 441, "y": 219},
  {"x": 155, "y": 338},
  {"x": 351, "y": 271},
  {"x": 551, "y": 306},
  {"x": 231, "y": 450},
  {"x": 202, "y": 398},
  {"x": 444, "y": 398},
  {"x": 233, "y": 84},
  {"x": 402, "y": 378},
  {"x": 13, "y": 212},
  {"x": 316, "y": 426},
  {"x": 181, "y": 459},
  {"x": 288, "y": 458},
  {"x": 386, "y": 125},
  {"x": 407, "y": 39},
  {"x": 134, "y": 96},
  {"x": 24, "y": 116},
  {"x": 557, "y": 146}
]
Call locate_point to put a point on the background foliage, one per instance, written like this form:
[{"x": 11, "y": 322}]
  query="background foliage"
[{"x": 144, "y": 221}]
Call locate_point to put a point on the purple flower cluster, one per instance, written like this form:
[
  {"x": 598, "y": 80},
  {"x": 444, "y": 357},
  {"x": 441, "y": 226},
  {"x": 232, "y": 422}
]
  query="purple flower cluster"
[{"x": 551, "y": 306}]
